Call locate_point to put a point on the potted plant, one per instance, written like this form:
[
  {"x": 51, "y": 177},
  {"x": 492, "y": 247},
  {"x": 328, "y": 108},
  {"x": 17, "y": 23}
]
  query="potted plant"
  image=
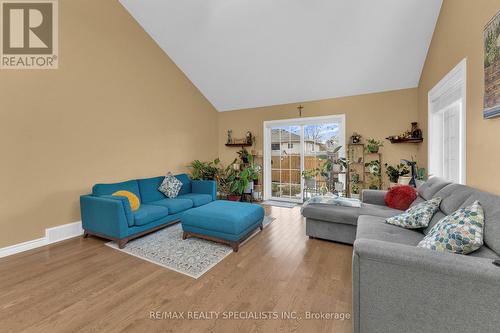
[
  {"x": 244, "y": 155},
  {"x": 333, "y": 163},
  {"x": 204, "y": 170},
  {"x": 238, "y": 183},
  {"x": 421, "y": 176},
  {"x": 310, "y": 177},
  {"x": 394, "y": 172},
  {"x": 372, "y": 145},
  {"x": 374, "y": 167},
  {"x": 355, "y": 191}
]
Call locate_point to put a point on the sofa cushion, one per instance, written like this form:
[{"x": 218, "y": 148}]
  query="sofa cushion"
[
  {"x": 417, "y": 216},
  {"x": 174, "y": 205},
  {"x": 491, "y": 208},
  {"x": 149, "y": 189},
  {"x": 428, "y": 189},
  {"x": 149, "y": 213},
  {"x": 346, "y": 215},
  {"x": 460, "y": 232},
  {"x": 197, "y": 198},
  {"x": 186, "y": 183},
  {"x": 453, "y": 197},
  {"x": 108, "y": 189},
  {"x": 374, "y": 227}
]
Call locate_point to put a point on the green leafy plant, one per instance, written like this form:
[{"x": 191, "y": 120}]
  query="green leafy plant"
[
  {"x": 238, "y": 182},
  {"x": 330, "y": 160},
  {"x": 244, "y": 155},
  {"x": 372, "y": 145},
  {"x": 394, "y": 172},
  {"x": 310, "y": 174},
  {"x": 355, "y": 188},
  {"x": 374, "y": 168},
  {"x": 204, "y": 170},
  {"x": 421, "y": 174}
]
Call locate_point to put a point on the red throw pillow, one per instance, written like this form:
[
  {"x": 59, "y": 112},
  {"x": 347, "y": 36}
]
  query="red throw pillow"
[{"x": 400, "y": 197}]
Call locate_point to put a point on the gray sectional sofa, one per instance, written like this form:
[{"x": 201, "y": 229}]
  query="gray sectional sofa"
[{"x": 398, "y": 287}]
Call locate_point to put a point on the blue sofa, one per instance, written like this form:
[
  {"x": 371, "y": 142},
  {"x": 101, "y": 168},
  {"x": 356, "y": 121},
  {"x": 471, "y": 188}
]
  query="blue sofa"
[{"x": 110, "y": 217}]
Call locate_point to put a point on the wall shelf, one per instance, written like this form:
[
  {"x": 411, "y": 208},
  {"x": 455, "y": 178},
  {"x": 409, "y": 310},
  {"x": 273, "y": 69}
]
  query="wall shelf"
[
  {"x": 404, "y": 140},
  {"x": 238, "y": 144}
]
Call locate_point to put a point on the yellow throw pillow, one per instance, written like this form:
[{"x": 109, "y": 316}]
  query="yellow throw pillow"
[{"x": 132, "y": 198}]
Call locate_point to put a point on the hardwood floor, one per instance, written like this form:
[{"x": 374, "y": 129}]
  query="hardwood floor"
[{"x": 82, "y": 285}]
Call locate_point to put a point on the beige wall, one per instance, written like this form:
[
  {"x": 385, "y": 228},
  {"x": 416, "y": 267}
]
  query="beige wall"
[
  {"x": 117, "y": 108},
  {"x": 458, "y": 35},
  {"x": 373, "y": 115}
]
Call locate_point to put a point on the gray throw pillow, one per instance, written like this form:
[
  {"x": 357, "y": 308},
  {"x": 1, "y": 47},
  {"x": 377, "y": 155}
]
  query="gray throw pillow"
[{"x": 170, "y": 186}]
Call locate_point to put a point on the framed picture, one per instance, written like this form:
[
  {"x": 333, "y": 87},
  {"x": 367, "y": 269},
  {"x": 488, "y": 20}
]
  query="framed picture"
[{"x": 492, "y": 68}]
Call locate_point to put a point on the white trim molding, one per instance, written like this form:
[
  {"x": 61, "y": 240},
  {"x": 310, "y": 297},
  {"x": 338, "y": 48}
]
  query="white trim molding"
[
  {"x": 52, "y": 235},
  {"x": 451, "y": 91}
]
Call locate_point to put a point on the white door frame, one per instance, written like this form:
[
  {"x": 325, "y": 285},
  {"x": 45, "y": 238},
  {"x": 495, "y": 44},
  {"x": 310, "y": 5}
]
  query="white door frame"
[
  {"x": 457, "y": 77},
  {"x": 339, "y": 118}
]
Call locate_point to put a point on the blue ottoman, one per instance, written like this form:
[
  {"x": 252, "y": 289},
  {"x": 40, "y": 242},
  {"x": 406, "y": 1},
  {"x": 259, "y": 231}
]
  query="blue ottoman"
[{"x": 227, "y": 222}]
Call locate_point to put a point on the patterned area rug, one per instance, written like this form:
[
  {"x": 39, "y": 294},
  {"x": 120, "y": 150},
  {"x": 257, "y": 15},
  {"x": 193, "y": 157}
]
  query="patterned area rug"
[{"x": 193, "y": 257}]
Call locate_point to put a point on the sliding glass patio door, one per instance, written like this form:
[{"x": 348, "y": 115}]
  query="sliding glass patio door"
[{"x": 294, "y": 145}]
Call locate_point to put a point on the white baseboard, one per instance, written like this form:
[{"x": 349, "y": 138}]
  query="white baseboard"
[{"x": 52, "y": 235}]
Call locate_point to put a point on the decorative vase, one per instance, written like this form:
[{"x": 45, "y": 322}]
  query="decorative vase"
[{"x": 404, "y": 180}]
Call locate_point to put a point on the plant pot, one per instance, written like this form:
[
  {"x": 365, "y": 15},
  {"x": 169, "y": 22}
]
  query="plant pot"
[
  {"x": 310, "y": 183},
  {"x": 249, "y": 188},
  {"x": 339, "y": 186},
  {"x": 233, "y": 197},
  {"x": 336, "y": 168},
  {"x": 355, "y": 196},
  {"x": 404, "y": 180}
]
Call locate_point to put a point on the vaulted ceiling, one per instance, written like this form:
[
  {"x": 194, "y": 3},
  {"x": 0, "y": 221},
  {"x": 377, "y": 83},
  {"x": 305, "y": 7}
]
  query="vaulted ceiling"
[{"x": 244, "y": 54}]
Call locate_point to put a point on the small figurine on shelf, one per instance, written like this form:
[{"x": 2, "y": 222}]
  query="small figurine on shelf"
[
  {"x": 416, "y": 133},
  {"x": 229, "y": 136},
  {"x": 249, "y": 137},
  {"x": 355, "y": 138}
]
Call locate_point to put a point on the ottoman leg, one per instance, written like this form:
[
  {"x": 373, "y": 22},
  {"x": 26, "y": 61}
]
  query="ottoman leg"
[
  {"x": 235, "y": 246},
  {"x": 261, "y": 226},
  {"x": 185, "y": 235}
]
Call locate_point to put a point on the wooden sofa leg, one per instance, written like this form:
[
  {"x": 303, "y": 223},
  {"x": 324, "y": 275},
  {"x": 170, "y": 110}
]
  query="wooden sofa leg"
[
  {"x": 235, "y": 246},
  {"x": 122, "y": 243}
]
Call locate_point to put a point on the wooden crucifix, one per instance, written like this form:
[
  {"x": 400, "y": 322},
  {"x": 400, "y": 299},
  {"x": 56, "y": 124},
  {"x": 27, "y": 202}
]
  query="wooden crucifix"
[{"x": 300, "y": 107}]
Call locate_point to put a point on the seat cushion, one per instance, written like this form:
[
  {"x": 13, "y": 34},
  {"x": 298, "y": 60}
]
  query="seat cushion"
[
  {"x": 174, "y": 205},
  {"x": 149, "y": 213},
  {"x": 373, "y": 227},
  {"x": 346, "y": 215},
  {"x": 108, "y": 189},
  {"x": 197, "y": 198},
  {"x": 149, "y": 189},
  {"x": 223, "y": 216}
]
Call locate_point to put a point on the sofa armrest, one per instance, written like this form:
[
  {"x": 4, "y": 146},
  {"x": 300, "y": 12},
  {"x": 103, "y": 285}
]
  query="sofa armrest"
[
  {"x": 401, "y": 288},
  {"x": 375, "y": 197},
  {"x": 205, "y": 187},
  {"x": 106, "y": 215}
]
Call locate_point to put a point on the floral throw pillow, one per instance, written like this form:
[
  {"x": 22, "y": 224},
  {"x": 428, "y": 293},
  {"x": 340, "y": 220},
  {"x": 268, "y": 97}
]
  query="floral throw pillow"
[
  {"x": 460, "y": 232},
  {"x": 170, "y": 186},
  {"x": 417, "y": 216}
]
